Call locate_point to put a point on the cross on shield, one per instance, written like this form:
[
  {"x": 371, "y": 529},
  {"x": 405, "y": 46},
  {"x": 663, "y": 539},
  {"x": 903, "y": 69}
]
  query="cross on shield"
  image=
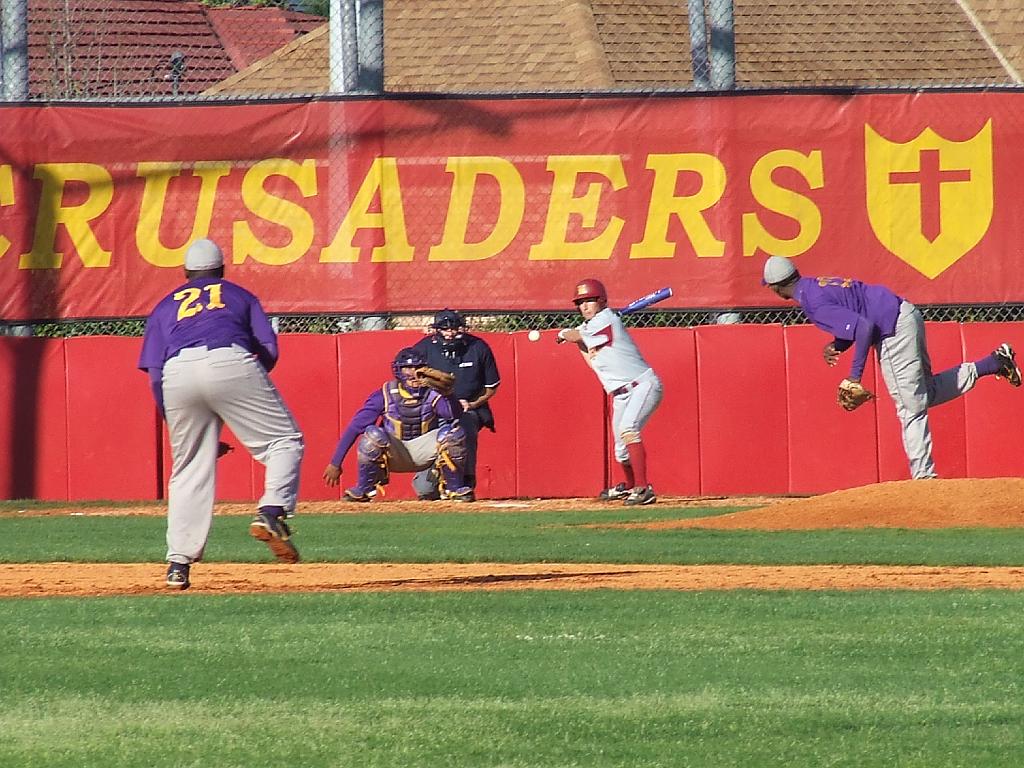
[{"x": 929, "y": 200}]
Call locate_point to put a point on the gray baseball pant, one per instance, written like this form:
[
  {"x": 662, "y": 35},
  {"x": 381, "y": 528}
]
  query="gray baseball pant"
[
  {"x": 907, "y": 370},
  {"x": 204, "y": 389}
]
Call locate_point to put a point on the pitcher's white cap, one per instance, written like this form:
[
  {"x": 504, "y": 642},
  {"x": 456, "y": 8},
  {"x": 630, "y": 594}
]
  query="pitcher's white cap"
[
  {"x": 777, "y": 269},
  {"x": 203, "y": 254}
]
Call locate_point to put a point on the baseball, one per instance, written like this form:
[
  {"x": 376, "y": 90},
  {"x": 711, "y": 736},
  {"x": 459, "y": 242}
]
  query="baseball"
[{"x": 533, "y": 335}]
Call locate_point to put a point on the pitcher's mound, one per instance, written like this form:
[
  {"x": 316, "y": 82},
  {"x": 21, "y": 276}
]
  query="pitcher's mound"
[{"x": 989, "y": 503}]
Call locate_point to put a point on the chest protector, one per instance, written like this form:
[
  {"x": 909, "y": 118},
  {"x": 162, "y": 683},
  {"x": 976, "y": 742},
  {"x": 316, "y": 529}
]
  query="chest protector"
[{"x": 408, "y": 413}]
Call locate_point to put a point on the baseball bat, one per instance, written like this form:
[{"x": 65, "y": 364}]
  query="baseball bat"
[{"x": 645, "y": 301}]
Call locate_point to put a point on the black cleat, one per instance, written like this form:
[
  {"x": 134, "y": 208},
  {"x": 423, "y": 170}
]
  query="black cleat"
[
  {"x": 640, "y": 496},
  {"x": 620, "y": 491},
  {"x": 1008, "y": 369},
  {"x": 356, "y": 494},
  {"x": 276, "y": 534},
  {"x": 177, "y": 576}
]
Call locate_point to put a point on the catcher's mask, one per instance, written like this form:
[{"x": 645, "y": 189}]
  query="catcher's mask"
[
  {"x": 589, "y": 289},
  {"x": 407, "y": 358},
  {"x": 450, "y": 320}
]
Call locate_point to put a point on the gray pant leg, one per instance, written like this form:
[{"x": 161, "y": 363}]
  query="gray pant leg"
[
  {"x": 425, "y": 482},
  {"x": 413, "y": 455},
  {"x": 906, "y": 369},
  {"x": 251, "y": 406},
  {"x": 632, "y": 410},
  {"x": 194, "y": 430},
  {"x": 952, "y": 383}
]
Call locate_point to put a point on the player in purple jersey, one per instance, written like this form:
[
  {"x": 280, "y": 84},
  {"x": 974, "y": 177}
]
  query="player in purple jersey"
[
  {"x": 207, "y": 348},
  {"x": 634, "y": 387},
  {"x": 871, "y": 317},
  {"x": 404, "y": 427}
]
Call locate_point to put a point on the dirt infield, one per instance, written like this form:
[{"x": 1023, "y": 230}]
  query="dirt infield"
[
  {"x": 997, "y": 503},
  {"x": 101, "y": 579},
  {"x": 987, "y": 503},
  {"x": 391, "y": 507}
]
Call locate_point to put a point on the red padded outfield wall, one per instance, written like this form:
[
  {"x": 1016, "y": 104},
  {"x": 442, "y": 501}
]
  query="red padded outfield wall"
[{"x": 748, "y": 409}]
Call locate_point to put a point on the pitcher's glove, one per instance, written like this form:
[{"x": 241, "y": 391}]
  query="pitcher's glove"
[
  {"x": 852, "y": 395},
  {"x": 439, "y": 381}
]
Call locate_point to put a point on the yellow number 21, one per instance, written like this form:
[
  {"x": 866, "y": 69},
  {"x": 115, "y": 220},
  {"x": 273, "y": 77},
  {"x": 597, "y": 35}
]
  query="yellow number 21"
[{"x": 189, "y": 300}]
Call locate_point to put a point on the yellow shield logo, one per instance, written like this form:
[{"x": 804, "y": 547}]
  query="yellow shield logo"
[{"x": 929, "y": 200}]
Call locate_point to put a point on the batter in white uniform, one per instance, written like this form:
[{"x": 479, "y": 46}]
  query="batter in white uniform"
[{"x": 633, "y": 385}]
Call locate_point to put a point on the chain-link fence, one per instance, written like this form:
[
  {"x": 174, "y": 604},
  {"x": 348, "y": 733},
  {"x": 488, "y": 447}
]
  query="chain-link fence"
[{"x": 513, "y": 321}]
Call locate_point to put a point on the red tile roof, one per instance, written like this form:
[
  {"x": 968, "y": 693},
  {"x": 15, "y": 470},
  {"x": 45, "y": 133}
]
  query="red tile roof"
[
  {"x": 250, "y": 34},
  {"x": 112, "y": 48}
]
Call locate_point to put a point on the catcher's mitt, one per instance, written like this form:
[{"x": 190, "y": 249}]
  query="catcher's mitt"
[
  {"x": 852, "y": 395},
  {"x": 439, "y": 381}
]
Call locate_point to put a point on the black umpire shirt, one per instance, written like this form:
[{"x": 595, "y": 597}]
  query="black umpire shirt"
[{"x": 470, "y": 359}]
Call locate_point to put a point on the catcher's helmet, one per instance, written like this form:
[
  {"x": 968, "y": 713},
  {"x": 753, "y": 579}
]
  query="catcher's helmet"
[
  {"x": 447, "y": 318},
  {"x": 589, "y": 289},
  {"x": 407, "y": 357}
]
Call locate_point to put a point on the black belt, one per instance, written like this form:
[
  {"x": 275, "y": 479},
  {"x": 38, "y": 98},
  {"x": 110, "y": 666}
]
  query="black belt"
[
  {"x": 211, "y": 345},
  {"x": 626, "y": 388}
]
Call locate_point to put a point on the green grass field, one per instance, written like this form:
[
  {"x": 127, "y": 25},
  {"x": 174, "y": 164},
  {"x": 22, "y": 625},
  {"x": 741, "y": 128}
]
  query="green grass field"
[
  {"x": 533, "y": 678},
  {"x": 509, "y": 537}
]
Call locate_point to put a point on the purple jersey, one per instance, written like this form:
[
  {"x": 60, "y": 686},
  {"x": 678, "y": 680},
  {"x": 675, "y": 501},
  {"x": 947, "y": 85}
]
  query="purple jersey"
[
  {"x": 210, "y": 312},
  {"x": 851, "y": 311}
]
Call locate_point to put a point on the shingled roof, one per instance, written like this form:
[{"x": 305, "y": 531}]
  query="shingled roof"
[
  {"x": 914, "y": 42},
  {"x": 112, "y": 48},
  {"x": 559, "y": 45}
]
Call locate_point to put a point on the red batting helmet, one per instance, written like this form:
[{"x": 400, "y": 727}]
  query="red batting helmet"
[{"x": 589, "y": 289}]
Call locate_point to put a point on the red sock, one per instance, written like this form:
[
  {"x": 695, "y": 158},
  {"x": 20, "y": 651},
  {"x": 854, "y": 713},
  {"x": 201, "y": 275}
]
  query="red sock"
[
  {"x": 627, "y": 470},
  {"x": 638, "y": 462}
]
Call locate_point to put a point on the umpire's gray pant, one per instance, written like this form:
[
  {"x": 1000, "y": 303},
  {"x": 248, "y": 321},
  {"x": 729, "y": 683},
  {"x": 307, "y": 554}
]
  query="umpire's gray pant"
[
  {"x": 204, "y": 389},
  {"x": 907, "y": 371}
]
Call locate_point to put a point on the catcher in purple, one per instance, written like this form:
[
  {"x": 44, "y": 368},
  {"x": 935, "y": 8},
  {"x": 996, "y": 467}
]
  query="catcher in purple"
[
  {"x": 207, "y": 348},
  {"x": 404, "y": 426},
  {"x": 867, "y": 317}
]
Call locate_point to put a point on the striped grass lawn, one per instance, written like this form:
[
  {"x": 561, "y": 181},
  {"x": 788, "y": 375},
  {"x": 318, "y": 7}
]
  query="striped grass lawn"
[
  {"x": 604, "y": 678},
  {"x": 509, "y": 537},
  {"x": 510, "y": 679}
]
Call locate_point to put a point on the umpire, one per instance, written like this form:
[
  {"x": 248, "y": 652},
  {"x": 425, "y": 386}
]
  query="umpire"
[{"x": 470, "y": 359}]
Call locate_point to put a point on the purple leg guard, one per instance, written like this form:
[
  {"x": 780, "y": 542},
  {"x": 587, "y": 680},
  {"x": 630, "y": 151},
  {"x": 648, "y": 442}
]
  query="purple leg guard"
[
  {"x": 451, "y": 458},
  {"x": 372, "y": 455}
]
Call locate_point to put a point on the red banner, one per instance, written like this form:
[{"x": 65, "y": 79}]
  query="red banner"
[{"x": 408, "y": 205}]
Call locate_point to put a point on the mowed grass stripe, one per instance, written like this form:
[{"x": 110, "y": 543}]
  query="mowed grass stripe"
[
  {"x": 520, "y": 537},
  {"x": 515, "y": 679}
]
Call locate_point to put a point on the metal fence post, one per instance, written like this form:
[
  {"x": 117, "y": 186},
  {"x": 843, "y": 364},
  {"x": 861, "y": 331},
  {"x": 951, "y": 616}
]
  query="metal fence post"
[
  {"x": 699, "y": 45},
  {"x": 14, "y": 34},
  {"x": 723, "y": 45}
]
